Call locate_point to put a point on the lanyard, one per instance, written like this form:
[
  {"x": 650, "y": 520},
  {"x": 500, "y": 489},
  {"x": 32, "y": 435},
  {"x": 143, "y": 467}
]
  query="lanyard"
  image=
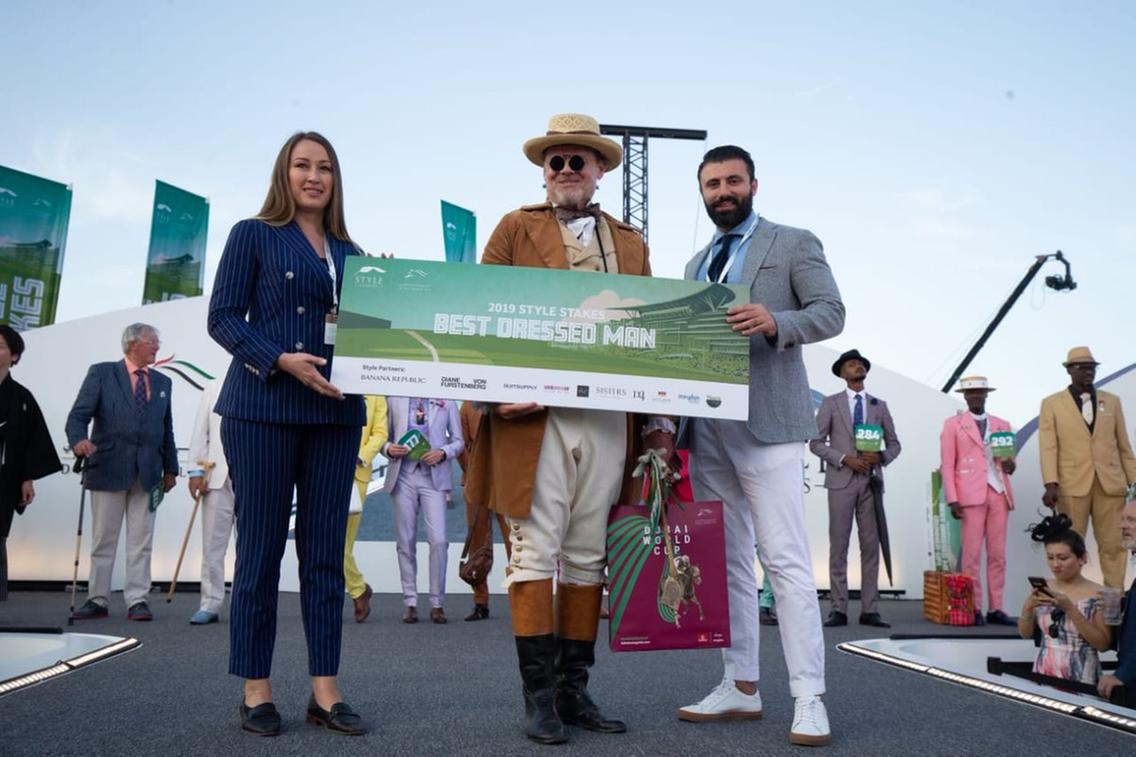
[
  {"x": 734, "y": 252},
  {"x": 331, "y": 271}
]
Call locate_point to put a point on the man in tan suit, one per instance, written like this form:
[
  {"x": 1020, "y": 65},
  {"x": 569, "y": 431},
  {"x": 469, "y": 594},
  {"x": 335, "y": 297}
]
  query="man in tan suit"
[
  {"x": 555, "y": 472},
  {"x": 1086, "y": 459}
]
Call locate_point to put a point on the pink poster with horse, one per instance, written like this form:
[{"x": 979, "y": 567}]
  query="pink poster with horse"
[{"x": 667, "y": 573}]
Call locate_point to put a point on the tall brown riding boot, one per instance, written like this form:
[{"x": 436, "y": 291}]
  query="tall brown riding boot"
[
  {"x": 531, "y": 605},
  {"x": 577, "y": 616}
]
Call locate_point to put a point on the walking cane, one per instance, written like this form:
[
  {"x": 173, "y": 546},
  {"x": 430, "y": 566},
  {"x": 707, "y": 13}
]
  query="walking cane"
[
  {"x": 78, "y": 467},
  {"x": 188, "y": 530}
]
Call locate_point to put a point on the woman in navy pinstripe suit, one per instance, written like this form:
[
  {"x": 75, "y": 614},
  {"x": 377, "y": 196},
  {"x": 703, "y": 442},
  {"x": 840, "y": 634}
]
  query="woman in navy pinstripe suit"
[{"x": 285, "y": 427}]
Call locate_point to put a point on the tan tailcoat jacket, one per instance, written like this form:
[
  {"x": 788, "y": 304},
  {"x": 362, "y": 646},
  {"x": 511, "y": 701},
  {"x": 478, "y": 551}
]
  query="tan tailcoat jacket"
[
  {"x": 502, "y": 469},
  {"x": 1070, "y": 455}
]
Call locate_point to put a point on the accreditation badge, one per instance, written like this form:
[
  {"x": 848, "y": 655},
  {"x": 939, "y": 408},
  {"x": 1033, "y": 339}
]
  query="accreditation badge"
[
  {"x": 330, "y": 327},
  {"x": 419, "y": 445},
  {"x": 869, "y": 437},
  {"x": 1003, "y": 444}
]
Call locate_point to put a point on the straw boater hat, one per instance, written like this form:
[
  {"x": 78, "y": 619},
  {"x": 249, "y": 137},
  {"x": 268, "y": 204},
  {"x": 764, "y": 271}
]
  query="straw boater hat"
[
  {"x": 974, "y": 382},
  {"x": 1079, "y": 355},
  {"x": 574, "y": 129}
]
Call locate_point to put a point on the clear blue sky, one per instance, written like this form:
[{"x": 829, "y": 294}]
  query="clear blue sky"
[{"x": 933, "y": 147}]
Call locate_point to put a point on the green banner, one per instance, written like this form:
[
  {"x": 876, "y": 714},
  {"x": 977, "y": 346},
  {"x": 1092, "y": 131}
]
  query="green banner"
[
  {"x": 175, "y": 265},
  {"x": 946, "y": 531},
  {"x": 34, "y": 214},
  {"x": 558, "y": 337},
  {"x": 459, "y": 229}
]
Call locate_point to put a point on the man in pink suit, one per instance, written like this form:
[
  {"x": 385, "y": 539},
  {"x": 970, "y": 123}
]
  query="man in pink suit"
[{"x": 976, "y": 485}]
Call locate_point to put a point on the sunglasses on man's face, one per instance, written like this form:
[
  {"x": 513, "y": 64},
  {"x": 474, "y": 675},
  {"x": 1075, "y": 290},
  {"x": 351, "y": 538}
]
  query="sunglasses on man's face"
[{"x": 575, "y": 162}]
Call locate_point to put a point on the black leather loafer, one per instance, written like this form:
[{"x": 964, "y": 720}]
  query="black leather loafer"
[
  {"x": 873, "y": 619},
  {"x": 262, "y": 720},
  {"x": 340, "y": 719},
  {"x": 835, "y": 619}
]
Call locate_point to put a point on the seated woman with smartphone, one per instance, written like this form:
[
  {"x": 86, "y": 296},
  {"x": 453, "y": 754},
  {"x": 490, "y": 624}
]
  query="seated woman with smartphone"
[{"x": 1064, "y": 611}]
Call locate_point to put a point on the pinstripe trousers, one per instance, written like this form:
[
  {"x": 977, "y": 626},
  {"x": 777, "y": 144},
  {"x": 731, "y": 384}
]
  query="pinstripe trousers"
[{"x": 266, "y": 461}]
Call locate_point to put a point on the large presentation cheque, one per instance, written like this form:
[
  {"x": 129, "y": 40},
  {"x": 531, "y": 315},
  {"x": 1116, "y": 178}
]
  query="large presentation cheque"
[{"x": 557, "y": 337}]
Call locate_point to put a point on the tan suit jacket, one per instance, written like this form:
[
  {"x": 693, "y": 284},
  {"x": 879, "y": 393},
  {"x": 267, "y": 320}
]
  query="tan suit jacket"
[
  {"x": 502, "y": 468},
  {"x": 1071, "y": 456}
]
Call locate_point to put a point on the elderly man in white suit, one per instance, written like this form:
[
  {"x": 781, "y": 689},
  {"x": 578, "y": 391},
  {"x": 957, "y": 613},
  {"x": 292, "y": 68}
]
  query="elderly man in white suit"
[{"x": 209, "y": 481}]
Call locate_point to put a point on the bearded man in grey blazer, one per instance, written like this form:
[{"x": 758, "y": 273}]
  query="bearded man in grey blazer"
[{"x": 756, "y": 467}]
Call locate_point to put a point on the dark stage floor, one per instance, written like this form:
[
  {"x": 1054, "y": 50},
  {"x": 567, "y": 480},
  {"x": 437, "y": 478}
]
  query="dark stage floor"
[{"x": 454, "y": 689}]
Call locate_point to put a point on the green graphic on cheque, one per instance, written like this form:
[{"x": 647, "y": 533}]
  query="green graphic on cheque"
[{"x": 540, "y": 318}]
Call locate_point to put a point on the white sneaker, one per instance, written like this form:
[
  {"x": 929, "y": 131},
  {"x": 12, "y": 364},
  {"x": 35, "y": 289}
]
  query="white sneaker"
[
  {"x": 810, "y": 723},
  {"x": 725, "y": 702}
]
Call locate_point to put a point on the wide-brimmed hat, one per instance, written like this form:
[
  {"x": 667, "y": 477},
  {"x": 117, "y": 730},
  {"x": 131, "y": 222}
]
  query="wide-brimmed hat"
[
  {"x": 574, "y": 129},
  {"x": 974, "y": 382},
  {"x": 1079, "y": 355},
  {"x": 850, "y": 355}
]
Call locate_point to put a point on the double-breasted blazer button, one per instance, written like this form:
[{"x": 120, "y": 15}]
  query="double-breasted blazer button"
[
  {"x": 288, "y": 275},
  {"x": 300, "y": 310},
  {"x": 299, "y": 345}
]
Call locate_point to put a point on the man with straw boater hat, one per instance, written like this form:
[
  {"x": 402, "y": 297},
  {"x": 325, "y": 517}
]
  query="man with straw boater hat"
[
  {"x": 555, "y": 472},
  {"x": 1086, "y": 459},
  {"x": 977, "y": 454}
]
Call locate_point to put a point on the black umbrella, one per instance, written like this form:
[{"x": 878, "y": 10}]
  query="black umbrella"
[{"x": 877, "y": 486}]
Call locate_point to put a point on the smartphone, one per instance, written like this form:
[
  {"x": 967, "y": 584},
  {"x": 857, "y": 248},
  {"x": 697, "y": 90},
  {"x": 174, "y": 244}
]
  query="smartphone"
[{"x": 1039, "y": 583}]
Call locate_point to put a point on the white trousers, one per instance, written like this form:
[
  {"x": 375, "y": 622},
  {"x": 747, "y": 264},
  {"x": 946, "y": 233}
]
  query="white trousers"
[
  {"x": 108, "y": 511},
  {"x": 762, "y": 490},
  {"x": 578, "y": 477},
  {"x": 216, "y": 529},
  {"x": 415, "y": 491}
]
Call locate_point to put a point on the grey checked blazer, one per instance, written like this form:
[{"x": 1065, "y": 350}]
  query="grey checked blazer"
[{"x": 786, "y": 271}]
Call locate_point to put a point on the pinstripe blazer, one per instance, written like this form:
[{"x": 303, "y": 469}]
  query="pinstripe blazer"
[
  {"x": 270, "y": 296},
  {"x": 130, "y": 446}
]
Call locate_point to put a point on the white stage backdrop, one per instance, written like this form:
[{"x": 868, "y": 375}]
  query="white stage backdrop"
[{"x": 41, "y": 545}]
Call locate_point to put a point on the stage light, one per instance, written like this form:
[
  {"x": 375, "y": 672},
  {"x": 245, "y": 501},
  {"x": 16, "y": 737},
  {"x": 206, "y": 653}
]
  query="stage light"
[
  {"x": 1084, "y": 712},
  {"x": 66, "y": 666}
]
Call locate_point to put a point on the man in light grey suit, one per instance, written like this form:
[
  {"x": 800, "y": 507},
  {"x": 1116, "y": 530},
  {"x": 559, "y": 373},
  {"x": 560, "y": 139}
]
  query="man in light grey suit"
[
  {"x": 757, "y": 467},
  {"x": 131, "y": 460},
  {"x": 849, "y": 477}
]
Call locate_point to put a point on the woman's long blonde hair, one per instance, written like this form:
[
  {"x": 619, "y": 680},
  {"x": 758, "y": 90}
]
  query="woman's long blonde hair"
[{"x": 280, "y": 207}]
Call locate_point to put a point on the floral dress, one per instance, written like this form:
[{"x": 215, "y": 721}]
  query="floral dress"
[{"x": 1063, "y": 652}]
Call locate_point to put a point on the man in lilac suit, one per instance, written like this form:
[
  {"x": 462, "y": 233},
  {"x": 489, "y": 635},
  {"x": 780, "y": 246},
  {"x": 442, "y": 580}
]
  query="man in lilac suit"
[
  {"x": 419, "y": 480},
  {"x": 976, "y": 486}
]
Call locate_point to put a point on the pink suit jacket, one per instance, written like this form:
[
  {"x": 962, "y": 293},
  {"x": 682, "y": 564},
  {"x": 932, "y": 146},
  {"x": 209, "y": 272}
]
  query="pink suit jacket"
[{"x": 963, "y": 456}]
